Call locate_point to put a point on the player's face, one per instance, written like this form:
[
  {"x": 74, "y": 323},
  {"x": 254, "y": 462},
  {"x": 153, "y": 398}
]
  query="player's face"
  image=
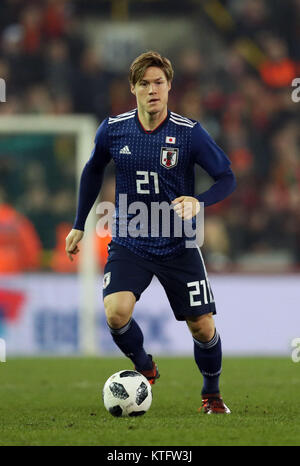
[{"x": 152, "y": 91}]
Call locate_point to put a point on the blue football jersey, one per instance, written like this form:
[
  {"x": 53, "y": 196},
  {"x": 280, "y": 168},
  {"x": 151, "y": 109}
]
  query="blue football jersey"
[{"x": 154, "y": 167}]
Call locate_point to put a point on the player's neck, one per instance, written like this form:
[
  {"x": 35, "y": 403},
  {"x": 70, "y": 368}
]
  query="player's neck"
[{"x": 151, "y": 121}]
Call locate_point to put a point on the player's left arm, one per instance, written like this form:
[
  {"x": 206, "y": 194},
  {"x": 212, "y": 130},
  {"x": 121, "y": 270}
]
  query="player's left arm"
[{"x": 213, "y": 160}]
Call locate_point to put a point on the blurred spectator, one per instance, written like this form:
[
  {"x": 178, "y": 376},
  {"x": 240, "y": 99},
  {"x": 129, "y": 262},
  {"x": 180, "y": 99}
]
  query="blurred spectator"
[
  {"x": 63, "y": 204},
  {"x": 252, "y": 17},
  {"x": 58, "y": 69},
  {"x": 62, "y": 105},
  {"x": 38, "y": 100},
  {"x": 54, "y": 18},
  {"x": 278, "y": 70},
  {"x": 31, "y": 21},
  {"x": 60, "y": 262},
  {"x": 90, "y": 86},
  {"x": 217, "y": 243},
  {"x": 75, "y": 38},
  {"x": 37, "y": 206},
  {"x": 20, "y": 247}
]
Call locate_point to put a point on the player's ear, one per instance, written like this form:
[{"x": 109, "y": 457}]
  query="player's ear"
[
  {"x": 132, "y": 89},
  {"x": 169, "y": 85}
]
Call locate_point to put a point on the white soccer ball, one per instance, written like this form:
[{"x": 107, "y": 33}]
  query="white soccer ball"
[{"x": 127, "y": 393}]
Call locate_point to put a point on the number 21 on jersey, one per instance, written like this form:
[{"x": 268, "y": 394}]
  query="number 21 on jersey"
[{"x": 142, "y": 185}]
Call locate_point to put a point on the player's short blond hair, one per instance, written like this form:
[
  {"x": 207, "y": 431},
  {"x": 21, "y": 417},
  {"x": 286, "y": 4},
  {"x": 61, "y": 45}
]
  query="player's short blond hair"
[{"x": 144, "y": 61}]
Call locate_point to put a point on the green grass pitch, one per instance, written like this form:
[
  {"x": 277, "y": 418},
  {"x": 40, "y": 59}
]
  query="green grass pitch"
[{"x": 58, "y": 402}]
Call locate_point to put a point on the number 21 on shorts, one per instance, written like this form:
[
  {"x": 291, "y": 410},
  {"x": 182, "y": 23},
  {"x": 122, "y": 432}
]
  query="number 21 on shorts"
[{"x": 200, "y": 289}]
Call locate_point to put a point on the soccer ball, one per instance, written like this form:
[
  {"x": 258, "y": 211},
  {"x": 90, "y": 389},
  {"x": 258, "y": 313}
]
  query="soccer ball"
[{"x": 127, "y": 393}]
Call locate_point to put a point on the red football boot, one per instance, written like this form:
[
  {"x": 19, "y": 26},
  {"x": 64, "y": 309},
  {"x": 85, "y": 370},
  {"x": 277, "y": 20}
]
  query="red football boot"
[
  {"x": 213, "y": 404},
  {"x": 151, "y": 375}
]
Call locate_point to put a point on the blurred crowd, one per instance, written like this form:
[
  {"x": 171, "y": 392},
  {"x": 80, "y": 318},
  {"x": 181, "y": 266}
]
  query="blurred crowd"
[{"x": 239, "y": 88}]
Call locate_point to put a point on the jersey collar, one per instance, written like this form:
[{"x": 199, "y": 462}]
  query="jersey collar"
[{"x": 153, "y": 131}]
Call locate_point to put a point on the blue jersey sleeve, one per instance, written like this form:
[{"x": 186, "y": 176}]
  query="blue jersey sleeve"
[
  {"x": 213, "y": 160},
  {"x": 92, "y": 175}
]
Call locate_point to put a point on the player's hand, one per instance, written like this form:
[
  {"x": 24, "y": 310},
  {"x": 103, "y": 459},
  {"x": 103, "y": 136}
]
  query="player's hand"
[
  {"x": 186, "y": 207},
  {"x": 71, "y": 242}
]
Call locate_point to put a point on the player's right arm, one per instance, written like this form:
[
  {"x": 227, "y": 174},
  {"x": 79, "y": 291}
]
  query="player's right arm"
[
  {"x": 72, "y": 240},
  {"x": 89, "y": 188}
]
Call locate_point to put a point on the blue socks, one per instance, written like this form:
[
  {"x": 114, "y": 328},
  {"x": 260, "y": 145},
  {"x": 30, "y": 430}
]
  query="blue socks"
[
  {"x": 208, "y": 356},
  {"x": 130, "y": 340}
]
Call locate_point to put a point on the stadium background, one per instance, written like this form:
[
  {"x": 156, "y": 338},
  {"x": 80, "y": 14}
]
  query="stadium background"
[{"x": 234, "y": 64}]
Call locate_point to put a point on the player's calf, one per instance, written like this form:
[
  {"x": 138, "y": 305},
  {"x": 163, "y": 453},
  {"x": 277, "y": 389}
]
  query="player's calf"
[
  {"x": 202, "y": 327},
  {"x": 125, "y": 331},
  {"x": 207, "y": 352}
]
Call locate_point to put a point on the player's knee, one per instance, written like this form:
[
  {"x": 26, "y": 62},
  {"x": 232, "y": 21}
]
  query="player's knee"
[
  {"x": 202, "y": 327},
  {"x": 118, "y": 310},
  {"x": 117, "y": 316}
]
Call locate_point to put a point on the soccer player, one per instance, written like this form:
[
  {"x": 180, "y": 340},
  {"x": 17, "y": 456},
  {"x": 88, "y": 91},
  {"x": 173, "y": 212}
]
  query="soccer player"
[{"x": 154, "y": 151}]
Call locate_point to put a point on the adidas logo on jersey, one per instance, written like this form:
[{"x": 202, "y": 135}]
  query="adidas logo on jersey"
[{"x": 125, "y": 150}]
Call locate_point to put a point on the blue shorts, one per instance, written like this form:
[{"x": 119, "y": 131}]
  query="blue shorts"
[{"x": 183, "y": 278}]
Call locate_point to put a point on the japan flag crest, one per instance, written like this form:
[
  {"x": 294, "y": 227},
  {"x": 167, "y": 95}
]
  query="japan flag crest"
[
  {"x": 170, "y": 140},
  {"x": 169, "y": 157}
]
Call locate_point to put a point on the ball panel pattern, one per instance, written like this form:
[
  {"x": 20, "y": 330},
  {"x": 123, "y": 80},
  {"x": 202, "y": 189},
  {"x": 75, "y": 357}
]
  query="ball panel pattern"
[
  {"x": 129, "y": 374},
  {"x": 118, "y": 391},
  {"x": 116, "y": 411},
  {"x": 141, "y": 394}
]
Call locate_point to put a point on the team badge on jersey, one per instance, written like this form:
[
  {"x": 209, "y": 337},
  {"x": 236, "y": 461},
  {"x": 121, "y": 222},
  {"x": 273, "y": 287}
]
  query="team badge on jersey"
[
  {"x": 106, "y": 279},
  {"x": 169, "y": 157}
]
